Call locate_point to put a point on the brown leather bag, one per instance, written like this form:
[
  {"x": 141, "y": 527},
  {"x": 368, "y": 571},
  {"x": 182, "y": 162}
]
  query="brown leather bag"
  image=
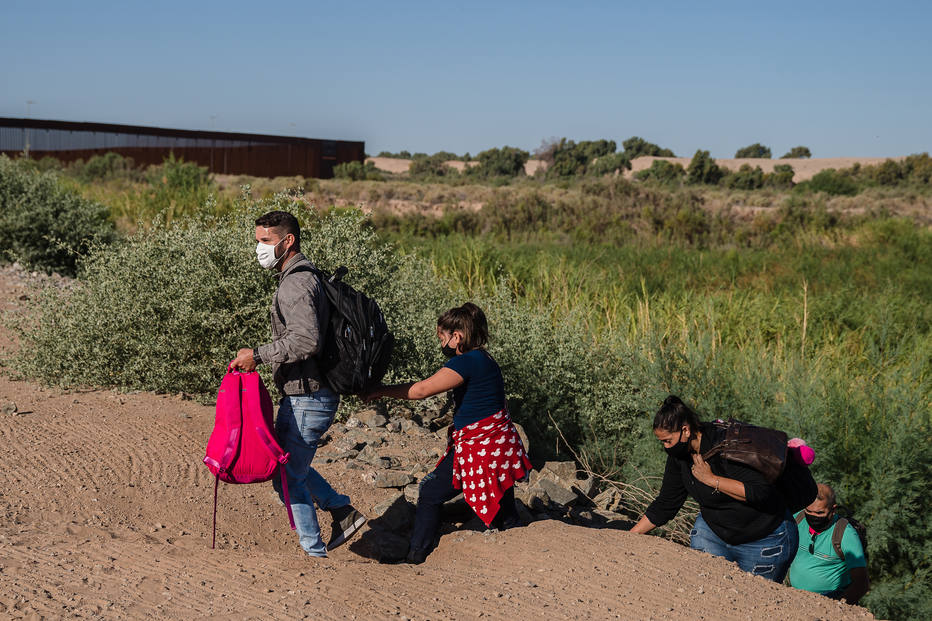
[{"x": 760, "y": 448}]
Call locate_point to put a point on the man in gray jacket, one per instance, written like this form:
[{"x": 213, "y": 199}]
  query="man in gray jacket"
[{"x": 299, "y": 312}]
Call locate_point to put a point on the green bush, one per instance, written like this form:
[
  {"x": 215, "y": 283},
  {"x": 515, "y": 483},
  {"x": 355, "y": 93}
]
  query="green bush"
[
  {"x": 428, "y": 167},
  {"x": 831, "y": 182},
  {"x": 636, "y": 146},
  {"x": 504, "y": 162},
  {"x": 104, "y": 168},
  {"x": 745, "y": 178},
  {"x": 756, "y": 150},
  {"x": 45, "y": 225},
  {"x": 703, "y": 169},
  {"x": 797, "y": 152},
  {"x": 176, "y": 188},
  {"x": 357, "y": 171},
  {"x": 780, "y": 178},
  {"x": 662, "y": 172}
]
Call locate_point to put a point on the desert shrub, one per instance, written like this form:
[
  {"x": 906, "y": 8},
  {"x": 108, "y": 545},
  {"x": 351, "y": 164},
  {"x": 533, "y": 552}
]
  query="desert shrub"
[
  {"x": 703, "y": 169},
  {"x": 796, "y": 152},
  {"x": 403, "y": 155},
  {"x": 745, "y": 178},
  {"x": 504, "y": 162},
  {"x": 756, "y": 150},
  {"x": 567, "y": 158},
  {"x": 176, "y": 188},
  {"x": 831, "y": 182},
  {"x": 609, "y": 164},
  {"x": 781, "y": 177},
  {"x": 662, "y": 172},
  {"x": 426, "y": 167},
  {"x": 635, "y": 146},
  {"x": 104, "y": 168},
  {"x": 44, "y": 224},
  {"x": 357, "y": 171}
]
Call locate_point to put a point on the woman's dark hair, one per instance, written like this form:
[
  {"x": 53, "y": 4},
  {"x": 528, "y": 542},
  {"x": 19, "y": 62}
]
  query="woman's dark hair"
[
  {"x": 284, "y": 222},
  {"x": 673, "y": 414},
  {"x": 468, "y": 319}
]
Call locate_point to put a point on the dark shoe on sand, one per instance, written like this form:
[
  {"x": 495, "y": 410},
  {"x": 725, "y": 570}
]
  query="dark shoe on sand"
[{"x": 346, "y": 521}]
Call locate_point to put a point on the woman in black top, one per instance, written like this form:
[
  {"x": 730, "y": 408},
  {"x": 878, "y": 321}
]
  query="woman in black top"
[{"x": 742, "y": 517}]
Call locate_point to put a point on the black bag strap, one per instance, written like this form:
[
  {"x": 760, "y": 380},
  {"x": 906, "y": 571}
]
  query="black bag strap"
[{"x": 837, "y": 533}]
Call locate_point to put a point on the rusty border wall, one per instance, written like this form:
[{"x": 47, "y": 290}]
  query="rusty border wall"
[{"x": 221, "y": 152}]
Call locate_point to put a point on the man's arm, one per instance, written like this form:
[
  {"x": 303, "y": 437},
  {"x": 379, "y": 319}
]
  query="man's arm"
[{"x": 858, "y": 587}]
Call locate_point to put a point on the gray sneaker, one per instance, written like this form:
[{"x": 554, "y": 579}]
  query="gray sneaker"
[{"x": 346, "y": 521}]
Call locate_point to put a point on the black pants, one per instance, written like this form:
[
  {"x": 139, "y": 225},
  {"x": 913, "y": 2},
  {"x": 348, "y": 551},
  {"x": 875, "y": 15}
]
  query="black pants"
[{"x": 437, "y": 488}]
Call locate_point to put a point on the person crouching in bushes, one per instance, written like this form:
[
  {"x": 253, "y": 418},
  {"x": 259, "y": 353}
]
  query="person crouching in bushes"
[
  {"x": 484, "y": 455},
  {"x": 741, "y": 516}
]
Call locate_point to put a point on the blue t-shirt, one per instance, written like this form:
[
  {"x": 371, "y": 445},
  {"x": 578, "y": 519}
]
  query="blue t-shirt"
[{"x": 482, "y": 392}]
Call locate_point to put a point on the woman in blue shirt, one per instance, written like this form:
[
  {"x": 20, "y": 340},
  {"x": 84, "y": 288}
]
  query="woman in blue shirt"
[{"x": 484, "y": 454}]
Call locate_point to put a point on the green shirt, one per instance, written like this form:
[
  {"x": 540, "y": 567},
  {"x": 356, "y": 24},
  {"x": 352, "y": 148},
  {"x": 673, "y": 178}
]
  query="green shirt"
[{"x": 822, "y": 571}]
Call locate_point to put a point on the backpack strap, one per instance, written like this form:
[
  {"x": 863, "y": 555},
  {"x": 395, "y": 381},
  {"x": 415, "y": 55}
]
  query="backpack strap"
[
  {"x": 235, "y": 425},
  {"x": 837, "y": 533},
  {"x": 256, "y": 390},
  {"x": 800, "y": 517}
]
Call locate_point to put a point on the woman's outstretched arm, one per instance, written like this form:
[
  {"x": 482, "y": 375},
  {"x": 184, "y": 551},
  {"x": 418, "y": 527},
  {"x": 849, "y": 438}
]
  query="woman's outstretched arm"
[{"x": 443, "y": 380}]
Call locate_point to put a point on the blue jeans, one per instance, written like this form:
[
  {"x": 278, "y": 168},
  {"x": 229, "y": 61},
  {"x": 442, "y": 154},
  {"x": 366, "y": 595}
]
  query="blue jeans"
[
  {"x": 301, "y": 421},
  {"x": 769, "y": 556}
]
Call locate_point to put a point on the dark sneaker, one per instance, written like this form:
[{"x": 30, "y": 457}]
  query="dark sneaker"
[
  {"x": 346, "y": 521},
  {"x": 416, "y": 556}
]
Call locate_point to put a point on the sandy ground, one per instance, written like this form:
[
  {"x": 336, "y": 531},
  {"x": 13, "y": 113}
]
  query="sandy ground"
[{"x": 106, "y": 512}]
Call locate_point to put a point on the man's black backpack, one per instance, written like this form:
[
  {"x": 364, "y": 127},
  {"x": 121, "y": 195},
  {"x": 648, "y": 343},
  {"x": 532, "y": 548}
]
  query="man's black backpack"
[
  {"x": 838, "y": 530},
  {"x": 357, "y": 343}
]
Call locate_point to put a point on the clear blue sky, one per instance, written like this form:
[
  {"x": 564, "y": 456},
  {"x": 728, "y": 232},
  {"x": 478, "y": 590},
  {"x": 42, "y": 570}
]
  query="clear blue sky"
[{"x": 844, "y": 78}]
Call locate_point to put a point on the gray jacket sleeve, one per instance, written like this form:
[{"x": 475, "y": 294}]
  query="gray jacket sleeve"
[{"x": 298, "y": 300}]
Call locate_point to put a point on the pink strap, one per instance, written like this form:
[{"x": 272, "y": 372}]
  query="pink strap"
[
  {"x": 281, "y": 469},
  {"x": 213, "y": 542}
]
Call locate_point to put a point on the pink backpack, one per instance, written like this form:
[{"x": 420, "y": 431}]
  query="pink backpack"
[{"x": 242, "y": 447}]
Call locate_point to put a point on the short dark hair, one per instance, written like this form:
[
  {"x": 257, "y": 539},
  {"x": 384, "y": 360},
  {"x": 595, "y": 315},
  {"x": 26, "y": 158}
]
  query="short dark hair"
[
  {"x": 284, "y": 222},
  {"x": 673, "y": 414},
  {"x": 470, "y": 320}
]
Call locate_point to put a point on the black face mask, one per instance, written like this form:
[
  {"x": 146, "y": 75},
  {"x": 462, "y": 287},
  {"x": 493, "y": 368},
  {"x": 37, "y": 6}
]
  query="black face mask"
[
  {"x": 679, "y": 450},
  {"x": 819, "y": 523},
  {"x": 448, "y": 351}
]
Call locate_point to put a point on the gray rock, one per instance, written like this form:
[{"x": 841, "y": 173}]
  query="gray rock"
[
  {"x": 370, "y": 456},
  {"x": 608, "y": 500},
  {"x": 393, "y": 426},
  {"x": 558, "y": 494},
  {"x": 533, "y": 496},
  {"x": 352, "y": 423},
  {"x": 585, "y": 487},
  {"x": 395, "y": 514},
  {"x": 393, "y": 478},
  {"x": 344, "y": 455},
  {"x": 9, "y": 408},
  {"x": 371, "y": 418},
  {"x": 412, "y": 492},
  {"x": 565, "y": 470},
  {"x": 348, "y": 443}
]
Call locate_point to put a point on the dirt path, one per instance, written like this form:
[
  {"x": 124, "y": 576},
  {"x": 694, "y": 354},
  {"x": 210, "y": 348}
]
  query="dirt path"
[{"x": 106, "y": 511}]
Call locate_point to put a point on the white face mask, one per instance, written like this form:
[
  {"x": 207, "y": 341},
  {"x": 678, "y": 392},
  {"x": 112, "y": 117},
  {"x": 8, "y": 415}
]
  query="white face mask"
[{"x": 266, "y": 254}]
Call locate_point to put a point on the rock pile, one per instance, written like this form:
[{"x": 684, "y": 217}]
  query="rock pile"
[{"x": 396, "y": 450}]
